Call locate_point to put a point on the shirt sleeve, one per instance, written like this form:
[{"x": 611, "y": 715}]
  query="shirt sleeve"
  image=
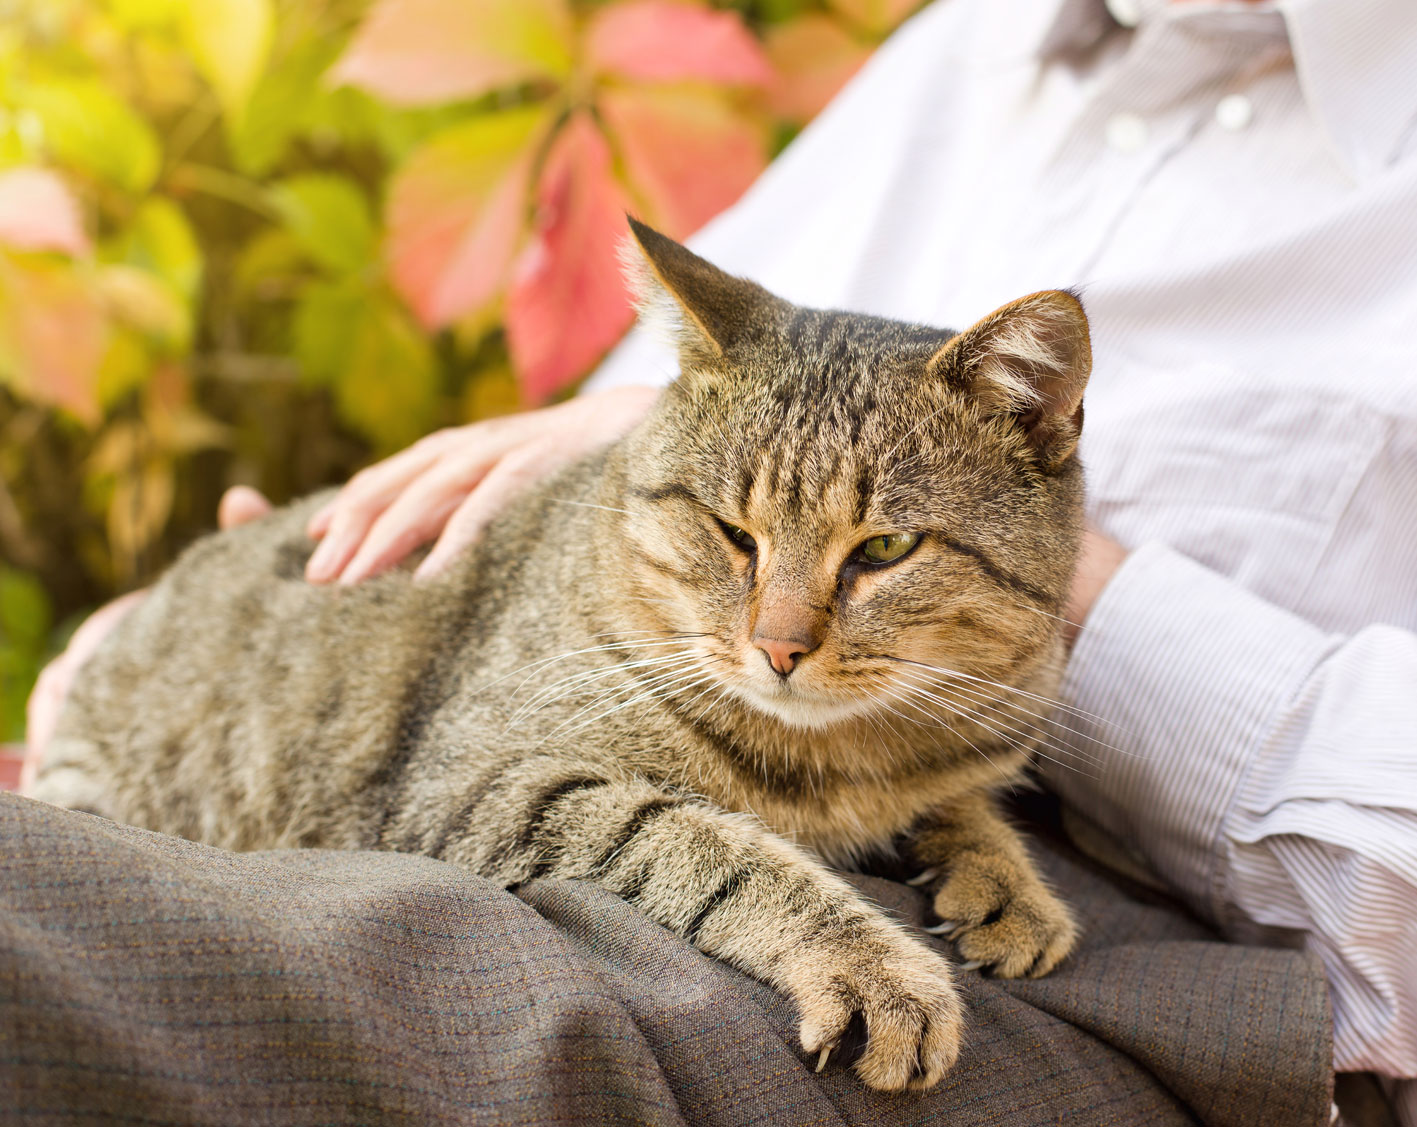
[{"x": 1266, "y": 770}]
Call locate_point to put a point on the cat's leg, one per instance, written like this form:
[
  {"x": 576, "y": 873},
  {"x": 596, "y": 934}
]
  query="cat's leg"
[
  {"x": 988, "y": 894},
  {"x": 744, "y": 895}
]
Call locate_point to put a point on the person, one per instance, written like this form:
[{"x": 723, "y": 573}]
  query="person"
[{"x": 1233, "y": 188}]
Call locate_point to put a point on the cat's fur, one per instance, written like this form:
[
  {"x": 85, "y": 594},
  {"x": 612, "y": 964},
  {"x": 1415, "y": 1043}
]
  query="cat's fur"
[{"x": 589, "y": 693}]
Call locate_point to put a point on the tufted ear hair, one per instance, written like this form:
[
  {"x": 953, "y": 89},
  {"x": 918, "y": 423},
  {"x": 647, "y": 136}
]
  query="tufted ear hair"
[
  {"x": 1031, "y": 360},
  {"x": 701, "y": 309}
]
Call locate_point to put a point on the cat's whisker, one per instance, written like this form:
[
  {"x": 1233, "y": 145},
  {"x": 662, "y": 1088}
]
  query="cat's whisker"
[
  {"x": 693, "y": 679},
  {"x": 588, "y": 505},
  {"x": 559, "y": 690},
  {"x": 534, "y": 665},
  {"x": 642, "y": 688},
  {"x": 997, "y": 714},
  {"x": 1027, "y": 743},
  {"x": 606, "y": 671},
  {"x": 1055, "y": 704},
  {"x": 1008, "y": 779},
  {"x": 1053, "y": 721},
  {"x": 1047, "y": 614},
  {"x": 662, "y": 671}
]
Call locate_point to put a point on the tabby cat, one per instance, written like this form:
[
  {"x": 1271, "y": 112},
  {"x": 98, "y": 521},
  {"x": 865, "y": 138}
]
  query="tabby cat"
[{"x": 806, "y": 608}]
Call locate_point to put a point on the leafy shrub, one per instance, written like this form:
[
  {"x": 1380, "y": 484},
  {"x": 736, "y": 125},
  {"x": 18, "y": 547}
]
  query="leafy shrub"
[{"x": 265, "y": 240}]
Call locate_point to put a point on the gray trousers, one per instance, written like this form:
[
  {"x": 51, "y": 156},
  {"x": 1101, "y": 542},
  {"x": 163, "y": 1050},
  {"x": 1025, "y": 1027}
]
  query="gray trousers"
[{"x": 148, "y": 980}]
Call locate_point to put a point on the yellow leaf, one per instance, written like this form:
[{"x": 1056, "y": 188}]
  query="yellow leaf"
[
  {"x": 229, "y": 41},
  {"x": 147, "y": 303},
  {"x": 138, "y": 511}
]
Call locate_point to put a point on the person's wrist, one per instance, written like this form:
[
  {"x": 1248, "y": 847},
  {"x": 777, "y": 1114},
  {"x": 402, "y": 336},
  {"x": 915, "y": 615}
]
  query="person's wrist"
[{"x": 1098, "y": 560}]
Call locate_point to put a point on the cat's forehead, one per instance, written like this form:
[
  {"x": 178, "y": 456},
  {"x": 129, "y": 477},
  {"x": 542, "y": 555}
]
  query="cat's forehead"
[{"x": 830, "y": 423}]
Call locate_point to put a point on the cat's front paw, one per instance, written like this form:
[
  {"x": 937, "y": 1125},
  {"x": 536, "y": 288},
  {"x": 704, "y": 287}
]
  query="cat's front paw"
[
  {"x": 1001, "y": 916},
  {"x": 899, "y": 996}
]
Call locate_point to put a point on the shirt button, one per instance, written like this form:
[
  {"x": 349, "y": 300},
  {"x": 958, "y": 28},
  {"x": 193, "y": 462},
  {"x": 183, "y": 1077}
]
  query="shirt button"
[
  {"x": 1125, "y": 12},
  {"x": 1126, "y": 132},
  {"x": 1233, "y": 112}
]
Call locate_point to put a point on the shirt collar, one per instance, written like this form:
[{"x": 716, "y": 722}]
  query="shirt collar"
[
  {"x": 1357, "y": 66},
  {"x": 1356, "y": 62}
]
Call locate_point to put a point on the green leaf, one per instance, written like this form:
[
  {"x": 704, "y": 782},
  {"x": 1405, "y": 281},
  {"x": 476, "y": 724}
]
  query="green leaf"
[
  {"x": 384, "y": 376},
  {"x": 280, "y": 106},
  {"x": 327, "y": 320},
  {"x": 24, "y": 610},
  {"x": 390, "y": 389},
  {"x": 229, "y": 41},
  {"x": 329, "y": 217},
  {"x": 91, "y": 129},
  {"x": 161, "y": 240}
]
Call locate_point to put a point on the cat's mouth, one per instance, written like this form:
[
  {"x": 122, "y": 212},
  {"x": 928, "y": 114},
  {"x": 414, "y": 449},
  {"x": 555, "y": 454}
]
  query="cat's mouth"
[{"x": 800, "y": 707}]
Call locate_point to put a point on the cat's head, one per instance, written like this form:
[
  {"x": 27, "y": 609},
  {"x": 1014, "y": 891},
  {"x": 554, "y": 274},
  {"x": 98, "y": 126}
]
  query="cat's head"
[{"x": 830, "y": 508}]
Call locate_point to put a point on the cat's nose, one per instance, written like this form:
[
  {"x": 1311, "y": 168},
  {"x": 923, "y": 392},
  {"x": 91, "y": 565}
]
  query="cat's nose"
[{"x": 783, "y": 655}]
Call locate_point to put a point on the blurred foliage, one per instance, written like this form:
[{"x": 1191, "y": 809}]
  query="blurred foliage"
[{"x": 263, "y": 241}]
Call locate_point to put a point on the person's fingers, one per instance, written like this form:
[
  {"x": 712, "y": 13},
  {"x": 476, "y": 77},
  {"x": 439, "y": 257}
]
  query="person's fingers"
[
  {"x": 417, "y": 515},
  {"x": 345, "y": 522},
  {"x": 368, "y": 492},
  {"x": 240, "y": 505},
  {"x": 509, "y": 477}
]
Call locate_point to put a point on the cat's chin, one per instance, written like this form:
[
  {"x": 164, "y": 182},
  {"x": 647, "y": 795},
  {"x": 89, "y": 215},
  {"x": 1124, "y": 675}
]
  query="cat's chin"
[{"x": 798, "y": 709}]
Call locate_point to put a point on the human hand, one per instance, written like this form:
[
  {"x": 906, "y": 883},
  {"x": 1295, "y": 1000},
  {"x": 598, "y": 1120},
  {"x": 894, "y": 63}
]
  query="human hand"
[
  {"x": 448, "y": 486},
  {"x": 239, "y": 504},
  {"x": 1098, "y": 561}
]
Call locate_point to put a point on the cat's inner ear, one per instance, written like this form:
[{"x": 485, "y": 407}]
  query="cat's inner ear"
[
  {"x": 702, "y": 310},
  {"x": 1030, "y": 359}
]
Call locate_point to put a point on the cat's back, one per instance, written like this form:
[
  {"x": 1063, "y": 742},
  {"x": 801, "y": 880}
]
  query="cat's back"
[{"x": 240, "y": 705}]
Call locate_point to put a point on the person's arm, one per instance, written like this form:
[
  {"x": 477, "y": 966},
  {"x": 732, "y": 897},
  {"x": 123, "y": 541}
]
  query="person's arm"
[{"x": 1267, "y": 771}]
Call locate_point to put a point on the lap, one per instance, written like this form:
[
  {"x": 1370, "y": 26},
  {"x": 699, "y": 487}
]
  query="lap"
[{"x": 151, "y": 979}]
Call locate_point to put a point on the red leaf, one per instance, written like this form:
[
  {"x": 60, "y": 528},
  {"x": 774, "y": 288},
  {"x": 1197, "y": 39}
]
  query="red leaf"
[
  {"x": 37, "y": 212},
  {"x": 659, "y": 41},
  {"x": 457, "y": 211},
  {"x": 568, "y": 302},
  {"x": 687, "y": 153},
  {"x": 417, "y": 52},
  {"x": 813, "y": 56},
  {"x": 53, "y": 333}
]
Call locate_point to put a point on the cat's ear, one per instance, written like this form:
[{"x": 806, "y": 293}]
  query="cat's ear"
[
  {"x": 1031, "y": 360},
  {"x": 701, "y": 309}
]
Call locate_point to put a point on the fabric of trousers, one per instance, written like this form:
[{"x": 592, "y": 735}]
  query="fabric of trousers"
[{"x": 146, "y": 979}]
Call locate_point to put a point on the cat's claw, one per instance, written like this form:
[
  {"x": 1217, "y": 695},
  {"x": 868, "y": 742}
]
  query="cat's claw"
[
  {"x": 942, "y": 928},
  {"x": 924, "y": 877},
  {"x": 822, "y": 1060},
  {"x": 973, "y": 964}
]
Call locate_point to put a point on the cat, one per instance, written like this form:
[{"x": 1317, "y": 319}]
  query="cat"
[{"x": 808, "y": 606}]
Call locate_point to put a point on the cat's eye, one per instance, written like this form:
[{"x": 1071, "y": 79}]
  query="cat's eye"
[
  {"x": 888, "y": 548},
  {"x": 738, "y": 536}
]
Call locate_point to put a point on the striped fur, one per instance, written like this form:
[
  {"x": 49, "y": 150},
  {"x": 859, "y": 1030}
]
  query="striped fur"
[{"x": 585, "y": 695}]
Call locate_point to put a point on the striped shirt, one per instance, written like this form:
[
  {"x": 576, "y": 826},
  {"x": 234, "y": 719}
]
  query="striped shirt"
[{"x": 1234, "y": 189}]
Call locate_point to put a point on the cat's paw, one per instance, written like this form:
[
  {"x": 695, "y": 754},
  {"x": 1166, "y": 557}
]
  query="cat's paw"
[
  {"x": 1001, "y": 916},
  {"x": 900, "y": 999}
]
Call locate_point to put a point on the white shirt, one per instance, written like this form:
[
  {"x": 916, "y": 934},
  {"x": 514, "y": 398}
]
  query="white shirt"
[{"x": 1234, "y": 189}]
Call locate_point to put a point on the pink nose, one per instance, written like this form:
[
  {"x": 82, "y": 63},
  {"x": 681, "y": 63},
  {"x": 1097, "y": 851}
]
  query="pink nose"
[{"x": 782, "y": 655}]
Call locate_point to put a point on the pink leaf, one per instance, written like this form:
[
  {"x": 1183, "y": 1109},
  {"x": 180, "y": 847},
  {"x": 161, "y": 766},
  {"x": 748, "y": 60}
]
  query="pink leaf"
[
  {"x": 686, "y": 152},
  {"x": 457, "y": 211},
  {"x": 568, "y": 302},
  {"x": 418, "y": 52},
  {"x": 37, "y": 212},
  {"x": 659, "y": 41},
  {"x": 53, "y": 333},
  {"x": 813, "y": 57}
]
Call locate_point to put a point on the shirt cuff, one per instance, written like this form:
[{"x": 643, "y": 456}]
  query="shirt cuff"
[{"x": 1174, "y": 681}]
